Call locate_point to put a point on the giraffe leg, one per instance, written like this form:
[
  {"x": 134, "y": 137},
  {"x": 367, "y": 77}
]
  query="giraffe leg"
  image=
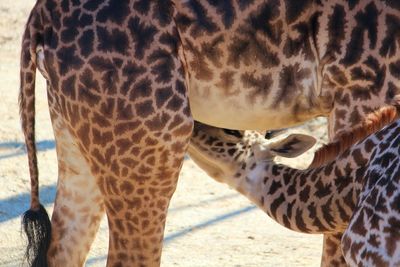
[
  {"x": 137, "y": 200},
  {"x": 331, "y": 251},
  {"x": 79, "y": 205},
  {"x": 126, "y": 107},
  {"x": 136, "y": 235}
]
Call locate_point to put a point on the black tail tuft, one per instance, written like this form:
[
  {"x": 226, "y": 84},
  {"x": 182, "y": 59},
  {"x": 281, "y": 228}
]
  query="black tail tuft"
[{"x": 37, "y": 228}]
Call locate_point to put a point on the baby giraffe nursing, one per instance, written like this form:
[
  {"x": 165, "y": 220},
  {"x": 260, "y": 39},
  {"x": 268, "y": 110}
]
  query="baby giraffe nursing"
[{"x": 357, "y": 194}]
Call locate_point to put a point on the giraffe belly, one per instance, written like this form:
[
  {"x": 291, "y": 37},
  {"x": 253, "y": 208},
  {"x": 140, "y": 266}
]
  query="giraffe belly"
[
  {"x": 238, "y": 78},
  {"x": 229, "y": 115},
  {"x": 212, "y": 107}
]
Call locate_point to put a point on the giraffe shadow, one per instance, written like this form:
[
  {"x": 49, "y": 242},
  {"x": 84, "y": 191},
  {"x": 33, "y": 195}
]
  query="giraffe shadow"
[
  {"x": 14, "y": 206},
  {"x": 210, "y": 222},
  {"x": 14, "y": 149}
]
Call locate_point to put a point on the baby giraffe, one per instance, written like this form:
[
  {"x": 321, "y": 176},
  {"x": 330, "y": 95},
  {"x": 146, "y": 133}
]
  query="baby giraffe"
[{"x": 357, "y": 194}]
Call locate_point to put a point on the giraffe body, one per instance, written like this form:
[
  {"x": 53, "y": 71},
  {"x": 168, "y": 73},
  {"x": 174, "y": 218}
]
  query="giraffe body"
[
  {"x": 278, "y": 63},
  {"x": 121, "y": 74},
  {"x": 356, "y": 194}
]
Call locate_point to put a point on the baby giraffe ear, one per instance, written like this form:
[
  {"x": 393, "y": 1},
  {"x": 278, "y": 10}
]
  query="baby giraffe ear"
[{"x": 292, "y": 146}]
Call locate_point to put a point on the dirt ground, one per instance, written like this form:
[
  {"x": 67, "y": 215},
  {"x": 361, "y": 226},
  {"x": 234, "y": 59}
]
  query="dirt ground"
[{"x": 208, "y": 223}]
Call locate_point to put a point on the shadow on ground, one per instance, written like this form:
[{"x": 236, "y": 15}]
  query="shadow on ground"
[
  {"x": 18, "y": 148},
  {"x": 191, "y": 229}
]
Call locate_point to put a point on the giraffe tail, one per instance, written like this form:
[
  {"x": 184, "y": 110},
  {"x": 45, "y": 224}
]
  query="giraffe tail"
[{"x": 35, "y": 221}]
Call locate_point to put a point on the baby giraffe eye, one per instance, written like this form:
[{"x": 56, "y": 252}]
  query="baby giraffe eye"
[{"x": 235, "y": 133}]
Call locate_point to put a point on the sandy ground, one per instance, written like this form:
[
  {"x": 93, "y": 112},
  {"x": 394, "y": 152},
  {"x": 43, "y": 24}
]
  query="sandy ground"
[{"x": 208, "y": 223}]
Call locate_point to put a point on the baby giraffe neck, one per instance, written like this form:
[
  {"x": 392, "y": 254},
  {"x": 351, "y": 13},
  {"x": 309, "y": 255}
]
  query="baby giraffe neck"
[{"x": 318, "y": 200}]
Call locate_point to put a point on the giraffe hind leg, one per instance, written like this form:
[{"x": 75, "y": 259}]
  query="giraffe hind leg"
[{"x": 78, "y": 207}]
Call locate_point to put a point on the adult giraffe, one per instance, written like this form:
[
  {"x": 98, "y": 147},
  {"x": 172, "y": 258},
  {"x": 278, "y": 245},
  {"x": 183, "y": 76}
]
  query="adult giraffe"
[{"x": 120, "y": 77}]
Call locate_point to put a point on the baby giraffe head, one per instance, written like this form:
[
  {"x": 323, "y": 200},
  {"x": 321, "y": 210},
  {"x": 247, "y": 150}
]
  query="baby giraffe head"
[{"x": 226, "y": 154}]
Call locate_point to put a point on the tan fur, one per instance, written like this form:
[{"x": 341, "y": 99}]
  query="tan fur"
[{"x": 374, "y": 122}]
